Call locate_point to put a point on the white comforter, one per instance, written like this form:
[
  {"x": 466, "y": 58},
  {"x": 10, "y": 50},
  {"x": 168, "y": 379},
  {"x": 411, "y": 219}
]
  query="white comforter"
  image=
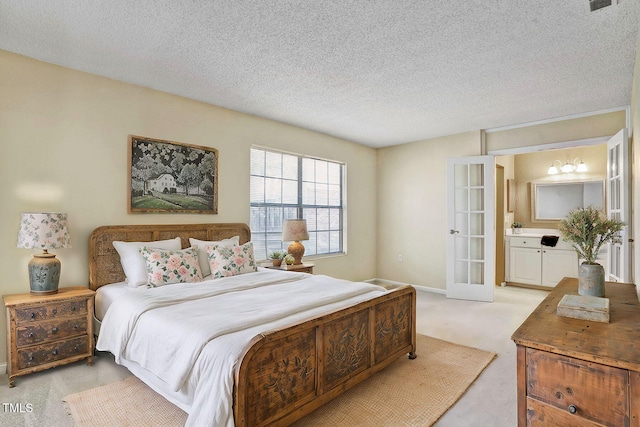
[{"x": 195, "y": 333}]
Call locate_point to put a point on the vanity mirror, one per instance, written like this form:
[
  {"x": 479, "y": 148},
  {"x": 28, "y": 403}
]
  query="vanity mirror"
[{"x": 552, "y": 201}]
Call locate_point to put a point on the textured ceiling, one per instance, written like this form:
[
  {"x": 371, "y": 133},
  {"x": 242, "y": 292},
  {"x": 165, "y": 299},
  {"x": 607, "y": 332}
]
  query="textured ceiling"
[{"x": 374, "y": 72}]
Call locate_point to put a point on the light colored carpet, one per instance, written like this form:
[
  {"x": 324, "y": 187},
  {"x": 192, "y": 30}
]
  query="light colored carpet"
[{"x": 406, "y": 393}]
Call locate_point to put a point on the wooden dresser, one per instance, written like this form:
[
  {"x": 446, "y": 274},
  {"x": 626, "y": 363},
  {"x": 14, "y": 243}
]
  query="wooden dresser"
[
  {"x": 49, "y": 330},
  {"x": 574, "y": 372}
]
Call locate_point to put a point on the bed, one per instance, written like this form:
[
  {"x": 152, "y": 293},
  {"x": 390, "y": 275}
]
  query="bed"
[{"x": 282, "y": 372}]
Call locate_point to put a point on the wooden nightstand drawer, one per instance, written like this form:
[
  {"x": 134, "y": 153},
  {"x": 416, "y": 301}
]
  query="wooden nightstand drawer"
[
  {"x": 45, "y": 331},
  {"x": 54, "y": 330},
  {"x": 50, "y": 311},
  {"x": 47, "y": 353}
]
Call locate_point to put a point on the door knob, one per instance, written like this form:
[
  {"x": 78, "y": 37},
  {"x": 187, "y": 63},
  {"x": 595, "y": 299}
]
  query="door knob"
[{"x": 452, "y": 231}]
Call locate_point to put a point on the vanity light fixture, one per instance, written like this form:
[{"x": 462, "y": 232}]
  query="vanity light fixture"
[
  {"x": 567, "y": 167},
  {"x": 553, "y": 170}
]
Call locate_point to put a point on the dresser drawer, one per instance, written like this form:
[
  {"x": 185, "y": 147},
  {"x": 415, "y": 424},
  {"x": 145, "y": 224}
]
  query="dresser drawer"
[
  {"x": 42, "y": 332},
  {"x": 46, "y": 353},
  {"x": 543, "y": 415},
  {"x": 50, "y": 311},
  {"x": 525, "y": 242},
  {"x": 583, "y": 390}
]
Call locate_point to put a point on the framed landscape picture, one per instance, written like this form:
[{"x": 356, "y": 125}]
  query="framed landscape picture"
[{"x": 167, "y": 176}]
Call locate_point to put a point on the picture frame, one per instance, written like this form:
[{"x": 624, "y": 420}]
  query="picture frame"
[{"x": 171, "y": 177}]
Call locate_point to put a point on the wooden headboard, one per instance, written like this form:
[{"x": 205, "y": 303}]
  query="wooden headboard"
[{"x": 104, "y": 261}]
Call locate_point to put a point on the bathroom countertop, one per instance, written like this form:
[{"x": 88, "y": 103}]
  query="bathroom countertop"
[{"x": 533, "y": 232}]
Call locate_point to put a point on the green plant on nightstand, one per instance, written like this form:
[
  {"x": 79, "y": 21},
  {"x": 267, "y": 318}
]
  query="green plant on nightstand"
[
  {"x": 276, "y": 257},
  {"x": 289, "y": 259}
]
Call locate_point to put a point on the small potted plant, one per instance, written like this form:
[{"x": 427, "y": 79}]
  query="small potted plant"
[
  {"x": 516, "y": 227},
  {"x": 289, "y": 259},
  {"x": 587, "y": 230},
  {"x": 276, "y": 258}
]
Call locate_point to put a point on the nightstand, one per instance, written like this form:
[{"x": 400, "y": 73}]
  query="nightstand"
[
  {"x": 45, "y": 331},
  {"x": 300, "y": 268}
]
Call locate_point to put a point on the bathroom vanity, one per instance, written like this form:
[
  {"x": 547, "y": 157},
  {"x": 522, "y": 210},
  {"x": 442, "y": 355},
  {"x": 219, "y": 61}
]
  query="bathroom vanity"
[{"x": 529, "y": 262}]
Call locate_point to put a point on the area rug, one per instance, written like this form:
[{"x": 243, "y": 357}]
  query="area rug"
[{"x": 406, "y": 393}]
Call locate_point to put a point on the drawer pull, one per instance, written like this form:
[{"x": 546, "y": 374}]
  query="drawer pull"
[
  {"x": 55, "y": 311},
  {"x": 33, "y": 315},
  {"x": 54, "y": 330},
  {"x": 573, "y": 409},
  {"x": 75, "y": 348},
  {"x": 30, "y": 334},
  {"x": 30, "y": 357},
  {"x": 56, "y": 352}
]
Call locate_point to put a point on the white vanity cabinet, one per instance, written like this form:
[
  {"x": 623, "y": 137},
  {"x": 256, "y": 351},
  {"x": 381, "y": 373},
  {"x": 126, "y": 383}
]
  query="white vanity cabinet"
[
  {"x": 557, "y": 264},
  {"x": 531, "y": 263},
  {"x": 525, "y": 260}
]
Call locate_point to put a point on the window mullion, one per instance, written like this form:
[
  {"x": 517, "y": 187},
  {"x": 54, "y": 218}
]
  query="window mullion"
[{"x": 299, "y": 205}]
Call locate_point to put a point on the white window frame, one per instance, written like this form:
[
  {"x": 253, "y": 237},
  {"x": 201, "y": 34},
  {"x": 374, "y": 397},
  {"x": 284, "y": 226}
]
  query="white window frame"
[{"x": 325, "y": 220}]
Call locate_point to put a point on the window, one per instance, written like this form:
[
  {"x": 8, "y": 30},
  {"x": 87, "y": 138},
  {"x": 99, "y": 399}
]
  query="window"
[{"x": 288, "y": 186}]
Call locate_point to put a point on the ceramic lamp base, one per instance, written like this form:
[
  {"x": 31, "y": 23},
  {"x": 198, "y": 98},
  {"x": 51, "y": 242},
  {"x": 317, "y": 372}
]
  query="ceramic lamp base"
[
  {"x": 44, "y": 274},
  {"x": 296, "y": 249}
]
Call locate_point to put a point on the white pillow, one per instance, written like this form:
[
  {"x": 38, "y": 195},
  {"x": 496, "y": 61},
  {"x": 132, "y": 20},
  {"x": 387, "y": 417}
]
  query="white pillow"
[
  {"x": 203, "y": 258},
  {"x": 135, "y": 269}
]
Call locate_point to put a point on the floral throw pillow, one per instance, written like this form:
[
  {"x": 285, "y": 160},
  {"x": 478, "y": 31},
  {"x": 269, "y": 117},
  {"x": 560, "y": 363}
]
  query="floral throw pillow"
[
  {"x": 165, "y": 267},
  {"x": 228, "y": 261}
]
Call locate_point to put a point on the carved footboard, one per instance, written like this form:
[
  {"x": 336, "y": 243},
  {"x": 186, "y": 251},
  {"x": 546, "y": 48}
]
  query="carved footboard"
[{"x": 288, "y": 373}]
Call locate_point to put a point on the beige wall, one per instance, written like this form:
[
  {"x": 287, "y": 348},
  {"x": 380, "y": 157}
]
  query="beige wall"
[
  {"x": 412, "y": 207},
  {"x": 507, "y": 162},
  {"x": 63, "y": 135},
  {"x": 607, "y": 124},
  {"x": 533, "y": 167}
]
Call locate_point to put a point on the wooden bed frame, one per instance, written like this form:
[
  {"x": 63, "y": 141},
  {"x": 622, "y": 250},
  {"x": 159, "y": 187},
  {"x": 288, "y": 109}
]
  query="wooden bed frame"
[{"x": 287, "y": 373}]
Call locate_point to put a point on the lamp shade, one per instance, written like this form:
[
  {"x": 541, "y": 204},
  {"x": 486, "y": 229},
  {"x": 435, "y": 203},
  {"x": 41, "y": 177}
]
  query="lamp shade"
[
  {"x": 294, "y": 230},
  {"x": 44, "y": 231}
]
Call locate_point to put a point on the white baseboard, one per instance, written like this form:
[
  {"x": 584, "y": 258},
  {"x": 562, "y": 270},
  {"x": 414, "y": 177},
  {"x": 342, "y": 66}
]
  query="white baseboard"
[
  {"x": 3, "y": 367},
  {"x": 418, "y": 287}
]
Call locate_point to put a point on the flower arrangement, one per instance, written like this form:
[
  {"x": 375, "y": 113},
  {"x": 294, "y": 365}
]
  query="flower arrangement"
[{"x": 587, "y": 229}]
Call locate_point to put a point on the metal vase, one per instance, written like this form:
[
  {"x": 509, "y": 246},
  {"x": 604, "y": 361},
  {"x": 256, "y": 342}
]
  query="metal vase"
[{"x": 591, "y": 280}]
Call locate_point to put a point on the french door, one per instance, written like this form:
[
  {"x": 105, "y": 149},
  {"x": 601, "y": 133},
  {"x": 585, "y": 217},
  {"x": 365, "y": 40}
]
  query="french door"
[
  {"x": 619, "y": 255},
  {"x": 470, "y": 238}
]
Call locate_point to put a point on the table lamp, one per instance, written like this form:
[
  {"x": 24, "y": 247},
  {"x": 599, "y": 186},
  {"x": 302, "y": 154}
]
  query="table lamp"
[
  {"x": 293, "y": 231},
  {"x": 44, "y": 231}
]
